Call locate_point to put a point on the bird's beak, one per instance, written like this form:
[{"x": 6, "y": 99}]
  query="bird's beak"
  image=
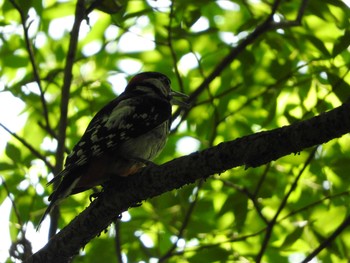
[{"x": 180, "y": 103}]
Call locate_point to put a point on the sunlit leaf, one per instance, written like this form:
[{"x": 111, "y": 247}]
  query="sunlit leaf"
[
  {"x": 340, "y": 87},
  {"x": 342, "y": 43}
]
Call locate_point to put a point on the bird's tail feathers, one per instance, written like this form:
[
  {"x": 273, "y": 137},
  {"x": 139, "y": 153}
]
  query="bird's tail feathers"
[
  {"x": 57, "y": 178},
  {"x": 62, "y": 191}
]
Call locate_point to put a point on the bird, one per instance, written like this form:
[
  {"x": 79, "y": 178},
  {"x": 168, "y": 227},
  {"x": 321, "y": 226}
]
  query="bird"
[{"x": 124, "y": 136}]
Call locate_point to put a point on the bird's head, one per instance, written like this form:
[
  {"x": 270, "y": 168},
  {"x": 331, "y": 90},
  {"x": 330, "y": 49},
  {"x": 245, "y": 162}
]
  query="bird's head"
[{"x": 156, "y": 84}]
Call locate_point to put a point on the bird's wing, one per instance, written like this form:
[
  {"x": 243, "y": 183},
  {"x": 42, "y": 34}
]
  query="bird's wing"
[{"x": 117, "y": 122}]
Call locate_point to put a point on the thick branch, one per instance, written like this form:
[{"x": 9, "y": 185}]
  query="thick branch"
[{"x": 251, "y": 151}]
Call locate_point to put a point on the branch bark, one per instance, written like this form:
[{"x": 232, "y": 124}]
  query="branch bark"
[
  {"x": 251, "y": 151},
  {"x": 67, "y": 81}
]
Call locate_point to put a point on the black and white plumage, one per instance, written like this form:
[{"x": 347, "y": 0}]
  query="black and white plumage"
[{"x": 129, "y": 131}]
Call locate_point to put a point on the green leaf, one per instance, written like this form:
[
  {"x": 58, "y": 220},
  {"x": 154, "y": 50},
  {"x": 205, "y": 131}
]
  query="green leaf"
[
  {"x": 237, "y": 203},
  {"x": 6, "y": 166},
  {"x": 215, "y": 254},
  {"x": 341, "y": 167},
  {"x": 340, "y": 87},
  {"x": 15, "y": 61},
  {"x": 192, "y": 17},
  {"x": 292, "y": 237},
  {"x": 25, "y": 5},
  {"x": 101, "y": 244},
  {"x": 319, "y": 45},
  {"x": 13, "y": 152},
  {"x": 341, "y": 44},
  {"x": 107, "y": 6}
]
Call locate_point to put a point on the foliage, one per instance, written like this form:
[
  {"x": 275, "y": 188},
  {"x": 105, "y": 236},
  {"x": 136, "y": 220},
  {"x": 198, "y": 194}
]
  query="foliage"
[{"x": 244, "y": 73}]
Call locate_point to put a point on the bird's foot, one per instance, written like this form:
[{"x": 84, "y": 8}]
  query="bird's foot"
[{"x": 143, "y": 161}]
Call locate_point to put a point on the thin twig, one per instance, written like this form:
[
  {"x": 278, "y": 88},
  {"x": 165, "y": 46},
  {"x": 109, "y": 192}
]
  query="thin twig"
[
  {"x": 306, "y": 207},
  {"x": 26, "y": 245},
  {"x": 272, "y": 223},
  {"x": 172, "y": 50},
  {"x": 117, "y": 241},
  {"x": 219, "y": 95},
  {"x": 261, "y": 180},
  {"x": 249, "y": 195},
  {"x": 266, "y": 26},
  {"x": 186, "y": 112},
  {"x": 296, "y": 21},
  {"x": 10, "y": 196},
  {"x": 185, "y": 222},
  {"x": 329, "y": 240},
  {"x": 273, "y": 87},
  {"x": 233, "y": 239},
  {"x": 29, "y": 147},
  {"x": 245, "y": 237},
  {"x": 30, "y": 50}
]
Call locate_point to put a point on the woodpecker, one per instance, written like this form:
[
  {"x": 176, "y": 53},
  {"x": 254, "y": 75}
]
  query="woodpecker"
[{"x": 122, "y": 137}]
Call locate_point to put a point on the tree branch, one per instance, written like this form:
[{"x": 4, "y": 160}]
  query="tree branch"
[
  {"x": 21, "y": 240},
  {"x": 29, "y": 147},
  {"x": 65, "y": 94},
  {"x": 329, "y": 240},
  {"x": 272, "y": 223},
  {"x": 251, "y": 151},
  {"x": 266, "y": 26},
  {"x": 30, "y": 50},
  {"x": 171, "y": 47},
  {"x": 118, "y": 245},
  {"x": 185, "y": 222}
]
